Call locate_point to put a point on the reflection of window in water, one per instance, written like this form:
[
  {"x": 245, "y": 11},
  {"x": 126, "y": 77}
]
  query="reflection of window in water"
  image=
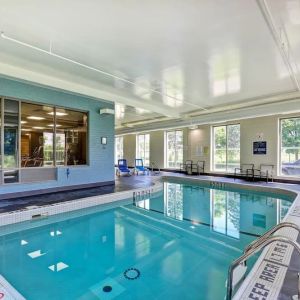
[
  {"x": 226, "y": 212},
  {"x": 284, "y": 206},
  {"x": 144, "y": 204},
  {"x": 173, "y": 201}
]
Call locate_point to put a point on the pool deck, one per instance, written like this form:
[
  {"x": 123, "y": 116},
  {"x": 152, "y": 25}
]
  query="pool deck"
[
  {"x": 122, "y": 184},
  {"x": 275, "y": 274}
]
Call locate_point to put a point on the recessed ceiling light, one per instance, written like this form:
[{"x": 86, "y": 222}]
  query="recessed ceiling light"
[
  {"x": 35, "y": 118},
  {"x": 24, "y": 122},
  {"x": 25, "y": 129},
  {"x": 58, "y": 113},
  {"x": 38, "y": 127},
  {"x": 52, "y": 125}
]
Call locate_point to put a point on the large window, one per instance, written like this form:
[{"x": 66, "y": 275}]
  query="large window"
[
  {"x": 45, "y": 128},
  {"x": 118, "y": 148},
  {"x": 143, "y": 148},
  {"x": 174, "y": 148},
  {"x": 226, "y": 145},
  {"x": 290, "y": 147}
]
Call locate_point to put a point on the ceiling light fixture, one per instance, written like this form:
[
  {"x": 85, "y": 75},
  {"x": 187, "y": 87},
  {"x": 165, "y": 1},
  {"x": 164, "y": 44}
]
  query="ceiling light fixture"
[
  {"x": 38, "y": 127},
  {"x": 24, "y": 122},
  {"x": 50, "y": 52},
  {"x": 58, "y": 113},
  {"x": 52, "y": 125},
  {"x": 35, "y": 118}
]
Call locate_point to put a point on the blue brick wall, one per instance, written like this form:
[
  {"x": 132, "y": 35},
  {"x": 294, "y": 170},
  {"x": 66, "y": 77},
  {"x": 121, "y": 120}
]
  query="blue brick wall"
[{"x": 101, "y": 158}]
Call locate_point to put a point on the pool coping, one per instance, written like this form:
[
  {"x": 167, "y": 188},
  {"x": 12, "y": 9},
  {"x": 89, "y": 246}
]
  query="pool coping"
[
  {"x": 277, "y": 258},
  {"x": 253, "y": 285}
]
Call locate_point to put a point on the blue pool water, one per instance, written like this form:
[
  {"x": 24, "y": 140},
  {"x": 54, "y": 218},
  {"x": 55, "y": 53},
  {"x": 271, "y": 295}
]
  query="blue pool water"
[{"x": 176, "y": 245}]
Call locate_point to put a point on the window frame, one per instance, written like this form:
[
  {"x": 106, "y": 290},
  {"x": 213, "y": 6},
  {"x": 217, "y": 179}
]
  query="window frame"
[
  {"x": 279, "y": 162},
  {"x": 20, "y": 101},
  {"x": 116, "y": 157},
  {"x": 137, "y": 152},
  {"x": 226, "y": 149},
  {"x": 176, "y": 152}
]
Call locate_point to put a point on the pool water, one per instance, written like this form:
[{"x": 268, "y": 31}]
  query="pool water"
[{"x": 176, "y": 245}]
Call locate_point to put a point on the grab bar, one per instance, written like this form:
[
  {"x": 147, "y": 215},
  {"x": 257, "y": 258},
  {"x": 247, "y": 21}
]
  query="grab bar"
[
  {"x": 258, "y": 241},
  {"x": 154, "y": 166},
  {"x": 254, "y": 250}
]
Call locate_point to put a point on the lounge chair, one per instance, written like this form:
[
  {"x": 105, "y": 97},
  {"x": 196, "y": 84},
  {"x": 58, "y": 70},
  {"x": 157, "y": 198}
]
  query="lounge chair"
[
  {"x": 122, "y": 167},
  {"x": 139, "y": 167},
  {"x": 245, "y": 170},
  {"x": 264, "y": 172}
]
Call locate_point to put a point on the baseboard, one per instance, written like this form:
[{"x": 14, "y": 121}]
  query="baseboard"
[{"x": 54, "y": 190}]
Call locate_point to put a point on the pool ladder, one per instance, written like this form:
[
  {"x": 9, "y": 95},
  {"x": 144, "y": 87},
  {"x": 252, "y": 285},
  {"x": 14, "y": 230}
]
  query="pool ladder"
[
  {"x": 142, "y": 195},
  {"x": 257, "y": 245}
]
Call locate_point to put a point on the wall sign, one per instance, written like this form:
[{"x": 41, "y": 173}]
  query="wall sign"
[
  {"x": 260, "y": 147},
  {"x": 104, "y": 140}
]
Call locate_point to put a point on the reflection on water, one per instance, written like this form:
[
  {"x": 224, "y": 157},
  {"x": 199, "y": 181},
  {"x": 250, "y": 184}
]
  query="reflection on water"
[
  {"x": 228, "y": 213},
  {"x": 224, "y": 72}
]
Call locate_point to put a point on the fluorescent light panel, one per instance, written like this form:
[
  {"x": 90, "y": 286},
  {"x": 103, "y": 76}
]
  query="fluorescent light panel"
[{"x": 35, "y": 118}]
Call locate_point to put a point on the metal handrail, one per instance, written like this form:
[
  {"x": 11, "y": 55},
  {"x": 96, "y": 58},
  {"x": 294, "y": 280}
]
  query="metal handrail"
[
  {"x": 257, "y": 242},
  {"x": 154, "y": 166},
  {"x": 247, "y": 255}
]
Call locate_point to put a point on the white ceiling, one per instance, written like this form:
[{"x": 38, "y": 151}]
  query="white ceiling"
[{"x": 164, "y": 58}]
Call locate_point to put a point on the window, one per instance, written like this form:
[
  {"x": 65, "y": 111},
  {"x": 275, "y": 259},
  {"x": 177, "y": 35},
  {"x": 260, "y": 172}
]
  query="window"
[
  {"x": 143, "y": 148},
  {"x": 290, "y": 147},
  {"x": 174, "y": 148},
  {"x": 118, "y": 148},
  {"x": 45, "y": 127},
  {"x": 71, "y": 137},
  {"x": 37, "y": 135},
  {"x": 226, "y": 145}
]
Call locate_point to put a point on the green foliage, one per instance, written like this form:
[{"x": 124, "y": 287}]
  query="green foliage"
[{"x": 290, "y": 131}]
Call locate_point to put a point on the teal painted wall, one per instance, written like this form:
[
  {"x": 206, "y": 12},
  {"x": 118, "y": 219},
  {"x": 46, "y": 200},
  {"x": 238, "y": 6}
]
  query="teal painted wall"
[{"x": 101, "y": 158}]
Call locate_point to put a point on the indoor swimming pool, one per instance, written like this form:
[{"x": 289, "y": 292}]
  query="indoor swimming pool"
[{"x": 175, "y": 244}]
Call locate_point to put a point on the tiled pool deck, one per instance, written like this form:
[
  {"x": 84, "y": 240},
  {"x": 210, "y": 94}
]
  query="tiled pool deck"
[{"x": 282, "y": 279}]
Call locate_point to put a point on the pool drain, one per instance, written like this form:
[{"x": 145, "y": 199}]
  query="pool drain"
[
  {"x": 132, "y": 274},
  {"x": 107, "y": 289}
]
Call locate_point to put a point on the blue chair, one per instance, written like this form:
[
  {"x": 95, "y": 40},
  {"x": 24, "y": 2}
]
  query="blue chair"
[
  {"x": 122, "y": 167},
  {"x": 139, "y": 167}
]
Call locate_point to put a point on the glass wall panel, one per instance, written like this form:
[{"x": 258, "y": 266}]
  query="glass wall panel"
[
  {"x": 11, "y": 125},
  {"x": 174, "y": 148},
  {"x": 290, "y": 147},
  {"x": 11, "y": 140},
  {"x": 143, "y": 148},
  {"x": 118, "y": 148},
  {"x": 37, "y": 122},
  {"x": 226, "y": 147},
  {"x": 71, "y": 137}
]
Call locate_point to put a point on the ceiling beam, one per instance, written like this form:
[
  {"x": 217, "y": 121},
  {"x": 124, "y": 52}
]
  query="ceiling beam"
[{"x": 103, "y": 92}]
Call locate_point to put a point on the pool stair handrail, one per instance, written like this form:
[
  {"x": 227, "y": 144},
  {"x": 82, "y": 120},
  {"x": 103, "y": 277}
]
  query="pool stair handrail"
[
  {"x": 240, "y": 262},
  {"x": 262, "y": 238},
  {"x": 141, "y": 195},
  {"x": 154, "y": 168}
]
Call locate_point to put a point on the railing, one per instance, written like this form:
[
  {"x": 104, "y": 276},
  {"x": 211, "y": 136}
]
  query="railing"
[
  {"x": 217, "y": 185},
  {"x": 242, "y": 259},
  {"x": 265, "y": 236},
  {"x": 154, "y": 166},
  {"x": 142, "y": 195}
]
